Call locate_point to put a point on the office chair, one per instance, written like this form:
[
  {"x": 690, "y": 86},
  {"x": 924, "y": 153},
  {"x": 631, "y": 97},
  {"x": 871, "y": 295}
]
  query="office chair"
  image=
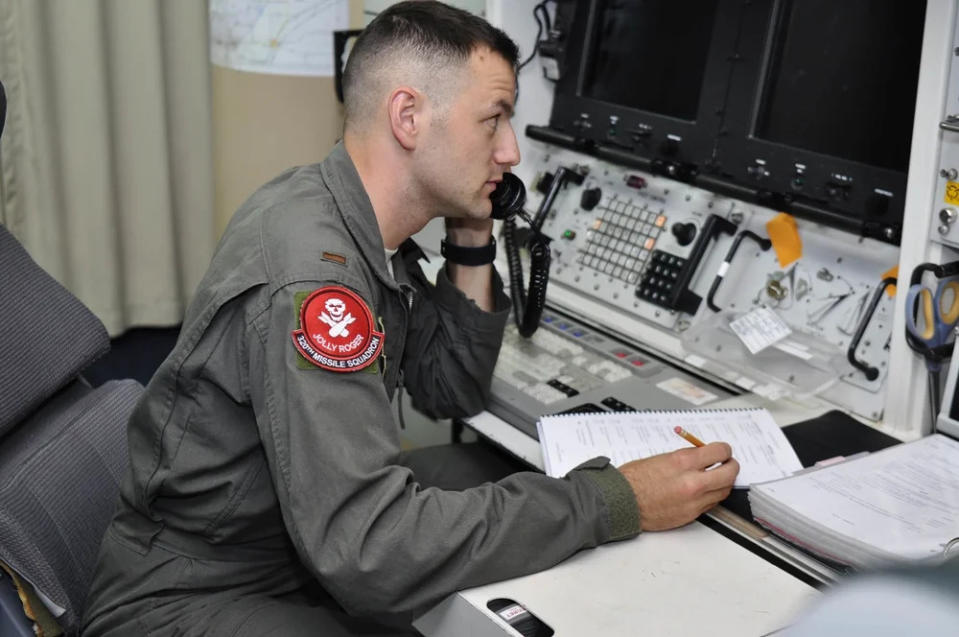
[{"x": 62, "y": 446}]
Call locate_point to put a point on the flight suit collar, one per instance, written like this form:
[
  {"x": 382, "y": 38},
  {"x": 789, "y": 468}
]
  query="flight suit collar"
[{"x": 356, "y": 210}]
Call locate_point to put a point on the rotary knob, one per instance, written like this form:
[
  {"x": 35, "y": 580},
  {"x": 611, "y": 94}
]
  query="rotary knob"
[
  {"x": 590, "y": 198},
  {"x": 684, "y": 233}
]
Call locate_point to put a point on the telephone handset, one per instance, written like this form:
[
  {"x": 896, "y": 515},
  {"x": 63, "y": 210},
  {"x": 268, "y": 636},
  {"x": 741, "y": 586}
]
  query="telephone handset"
[
  {"x": 509, "y": 198},
  {"x": 508, "y": 201}
]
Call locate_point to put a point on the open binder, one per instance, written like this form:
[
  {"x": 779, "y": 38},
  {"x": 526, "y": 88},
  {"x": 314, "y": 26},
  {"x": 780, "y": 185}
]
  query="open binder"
[{"x": 900, "y": 504}]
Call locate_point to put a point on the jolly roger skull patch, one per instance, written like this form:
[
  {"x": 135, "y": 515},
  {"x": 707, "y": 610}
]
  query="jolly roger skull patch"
[{"x": 336, "y": 330}]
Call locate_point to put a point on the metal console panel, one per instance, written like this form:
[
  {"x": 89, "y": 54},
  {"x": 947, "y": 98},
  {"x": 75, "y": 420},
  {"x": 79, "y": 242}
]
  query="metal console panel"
[
  {"x": 623, "y": 230},
  {"x": 568, "y": 366}
]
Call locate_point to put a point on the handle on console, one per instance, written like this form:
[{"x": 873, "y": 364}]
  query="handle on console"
[
  {"x": 683, "y": 299},
  {"x": 764, "y": 244}
]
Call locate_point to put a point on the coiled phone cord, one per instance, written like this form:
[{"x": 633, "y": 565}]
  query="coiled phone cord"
[{"x": 527, "y": 311}]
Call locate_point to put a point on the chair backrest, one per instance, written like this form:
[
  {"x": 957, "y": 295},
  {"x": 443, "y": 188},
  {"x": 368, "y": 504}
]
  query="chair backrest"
[
  {"x": 47, "y": 336},
  {"x": 62, "y": 442}
]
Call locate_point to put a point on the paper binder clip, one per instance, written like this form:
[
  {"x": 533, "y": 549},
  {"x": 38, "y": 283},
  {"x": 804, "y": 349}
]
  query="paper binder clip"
[{"x": 951, "y": 550}]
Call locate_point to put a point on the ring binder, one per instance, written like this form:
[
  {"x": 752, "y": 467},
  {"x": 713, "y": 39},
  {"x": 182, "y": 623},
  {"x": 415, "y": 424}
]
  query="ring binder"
[
  {"x": 899, "y": 504},
  {"x": 705, "y": 410},
  {"x": 951, "y": 550}
]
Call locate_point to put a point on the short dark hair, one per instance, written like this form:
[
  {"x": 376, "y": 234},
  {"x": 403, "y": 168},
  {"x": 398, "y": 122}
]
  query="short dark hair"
[{"x": 433, "y": 31}]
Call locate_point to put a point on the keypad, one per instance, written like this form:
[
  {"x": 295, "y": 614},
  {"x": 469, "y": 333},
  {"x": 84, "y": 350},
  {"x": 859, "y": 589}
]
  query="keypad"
[
  {"x": 621, "y": 239},
  {"x": 563, "y": 387},
  {"x": 660, "y": 278},
  {"x": 616, "y": 405},
  {"x": 550, "y": 366}
]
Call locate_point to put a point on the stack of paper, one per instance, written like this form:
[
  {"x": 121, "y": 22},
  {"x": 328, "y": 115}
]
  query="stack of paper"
[
  {"x": 757, "y": 441},
  {"x": 898, "y": 504}
]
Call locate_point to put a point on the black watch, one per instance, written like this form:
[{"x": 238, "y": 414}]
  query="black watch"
[{"x": 460, "y": 255}]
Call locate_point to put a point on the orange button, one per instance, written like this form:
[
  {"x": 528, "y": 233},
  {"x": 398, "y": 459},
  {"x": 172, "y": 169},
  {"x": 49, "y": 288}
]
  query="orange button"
[
  {"x": 660, "y": 221},
  {"x": 597, "y": 224},
  {"x": 650, "y": 242}
]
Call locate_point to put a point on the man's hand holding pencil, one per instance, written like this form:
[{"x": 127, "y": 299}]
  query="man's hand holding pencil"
[{"x": 673, "y": 489}]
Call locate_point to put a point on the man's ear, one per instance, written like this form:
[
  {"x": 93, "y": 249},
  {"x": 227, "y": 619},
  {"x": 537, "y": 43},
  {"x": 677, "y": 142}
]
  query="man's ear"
[{"x": 407, "y": 115}]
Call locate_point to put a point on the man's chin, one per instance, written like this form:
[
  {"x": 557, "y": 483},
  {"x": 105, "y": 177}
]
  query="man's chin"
[{"x": 482, "y": 210}]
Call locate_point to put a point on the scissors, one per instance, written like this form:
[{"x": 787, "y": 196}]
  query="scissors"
[
  {"x": 938, "y": 314},
  {"x": 931, "y": 316}
]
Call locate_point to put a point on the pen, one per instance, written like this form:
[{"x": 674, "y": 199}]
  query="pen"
[{"x": 688, "y": 436}]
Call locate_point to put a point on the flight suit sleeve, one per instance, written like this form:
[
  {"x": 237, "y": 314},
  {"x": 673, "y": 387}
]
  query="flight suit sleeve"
[
  {"x": 370, "y": 535},
  {"x": 451, "y": 348}
]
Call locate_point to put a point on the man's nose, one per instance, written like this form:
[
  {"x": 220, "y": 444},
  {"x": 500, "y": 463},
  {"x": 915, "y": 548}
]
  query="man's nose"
[{"x": 507, "y": 152}]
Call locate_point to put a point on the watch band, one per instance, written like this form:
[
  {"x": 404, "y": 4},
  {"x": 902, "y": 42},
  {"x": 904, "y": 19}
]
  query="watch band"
[{"x": 460, "y": 255}]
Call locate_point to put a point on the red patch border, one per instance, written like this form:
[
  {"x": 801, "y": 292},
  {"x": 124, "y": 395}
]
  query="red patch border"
[{"x": 304, "y": 345}]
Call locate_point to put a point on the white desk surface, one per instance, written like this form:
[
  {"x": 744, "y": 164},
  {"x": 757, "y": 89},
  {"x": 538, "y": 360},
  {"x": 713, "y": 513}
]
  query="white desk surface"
[
  {"x": 681, "y": 582},
  {"x": 689, "y": 581}
]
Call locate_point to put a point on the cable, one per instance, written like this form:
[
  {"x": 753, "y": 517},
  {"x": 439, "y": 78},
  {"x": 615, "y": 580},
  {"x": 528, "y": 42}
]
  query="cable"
[
  {"x": 539, "y": 34},
  {"x": 545, "y": 23},
  {"x": 527, "y": 311}
]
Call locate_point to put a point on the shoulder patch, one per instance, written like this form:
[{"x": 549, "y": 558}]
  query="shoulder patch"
[{"x": 336, "y": 330}]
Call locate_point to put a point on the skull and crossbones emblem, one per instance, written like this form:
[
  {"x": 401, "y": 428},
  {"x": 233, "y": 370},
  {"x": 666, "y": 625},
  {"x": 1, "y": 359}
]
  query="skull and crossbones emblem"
[{"x": 337, "y": 317}]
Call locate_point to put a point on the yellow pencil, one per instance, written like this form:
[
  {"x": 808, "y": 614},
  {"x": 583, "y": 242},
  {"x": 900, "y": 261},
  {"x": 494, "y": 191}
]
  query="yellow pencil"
[{"x": 688, "y": 436}]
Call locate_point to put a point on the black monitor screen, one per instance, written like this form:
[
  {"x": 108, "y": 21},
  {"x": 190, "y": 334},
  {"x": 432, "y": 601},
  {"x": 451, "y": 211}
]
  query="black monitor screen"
[
  {"x": 841, "y": 80},
  {"x": 651, "y": 55}
]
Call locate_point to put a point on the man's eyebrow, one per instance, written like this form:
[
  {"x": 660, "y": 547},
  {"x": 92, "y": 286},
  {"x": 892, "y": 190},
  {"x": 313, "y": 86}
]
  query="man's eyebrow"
[{"x": 506, "y": 106}]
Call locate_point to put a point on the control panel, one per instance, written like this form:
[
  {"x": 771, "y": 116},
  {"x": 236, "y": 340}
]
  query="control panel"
[
  {"x": 686, "y": 262},
  {"x": 945, "y": 210}
]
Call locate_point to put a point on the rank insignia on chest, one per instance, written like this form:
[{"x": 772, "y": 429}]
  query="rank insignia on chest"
[{"x": 336, "y": 330}]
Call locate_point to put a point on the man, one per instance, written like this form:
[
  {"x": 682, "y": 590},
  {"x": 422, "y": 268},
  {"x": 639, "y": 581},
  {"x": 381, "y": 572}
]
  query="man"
[{"x": 266, "y": 492}]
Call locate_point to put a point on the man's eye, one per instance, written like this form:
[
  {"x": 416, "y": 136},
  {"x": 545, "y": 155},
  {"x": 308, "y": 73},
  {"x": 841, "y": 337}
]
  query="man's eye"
[{"x": 493, "y": 122}]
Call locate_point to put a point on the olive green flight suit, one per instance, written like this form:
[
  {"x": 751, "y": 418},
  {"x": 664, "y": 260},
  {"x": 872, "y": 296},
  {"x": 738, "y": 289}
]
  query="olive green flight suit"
[{"x": 256, "y": 475}]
